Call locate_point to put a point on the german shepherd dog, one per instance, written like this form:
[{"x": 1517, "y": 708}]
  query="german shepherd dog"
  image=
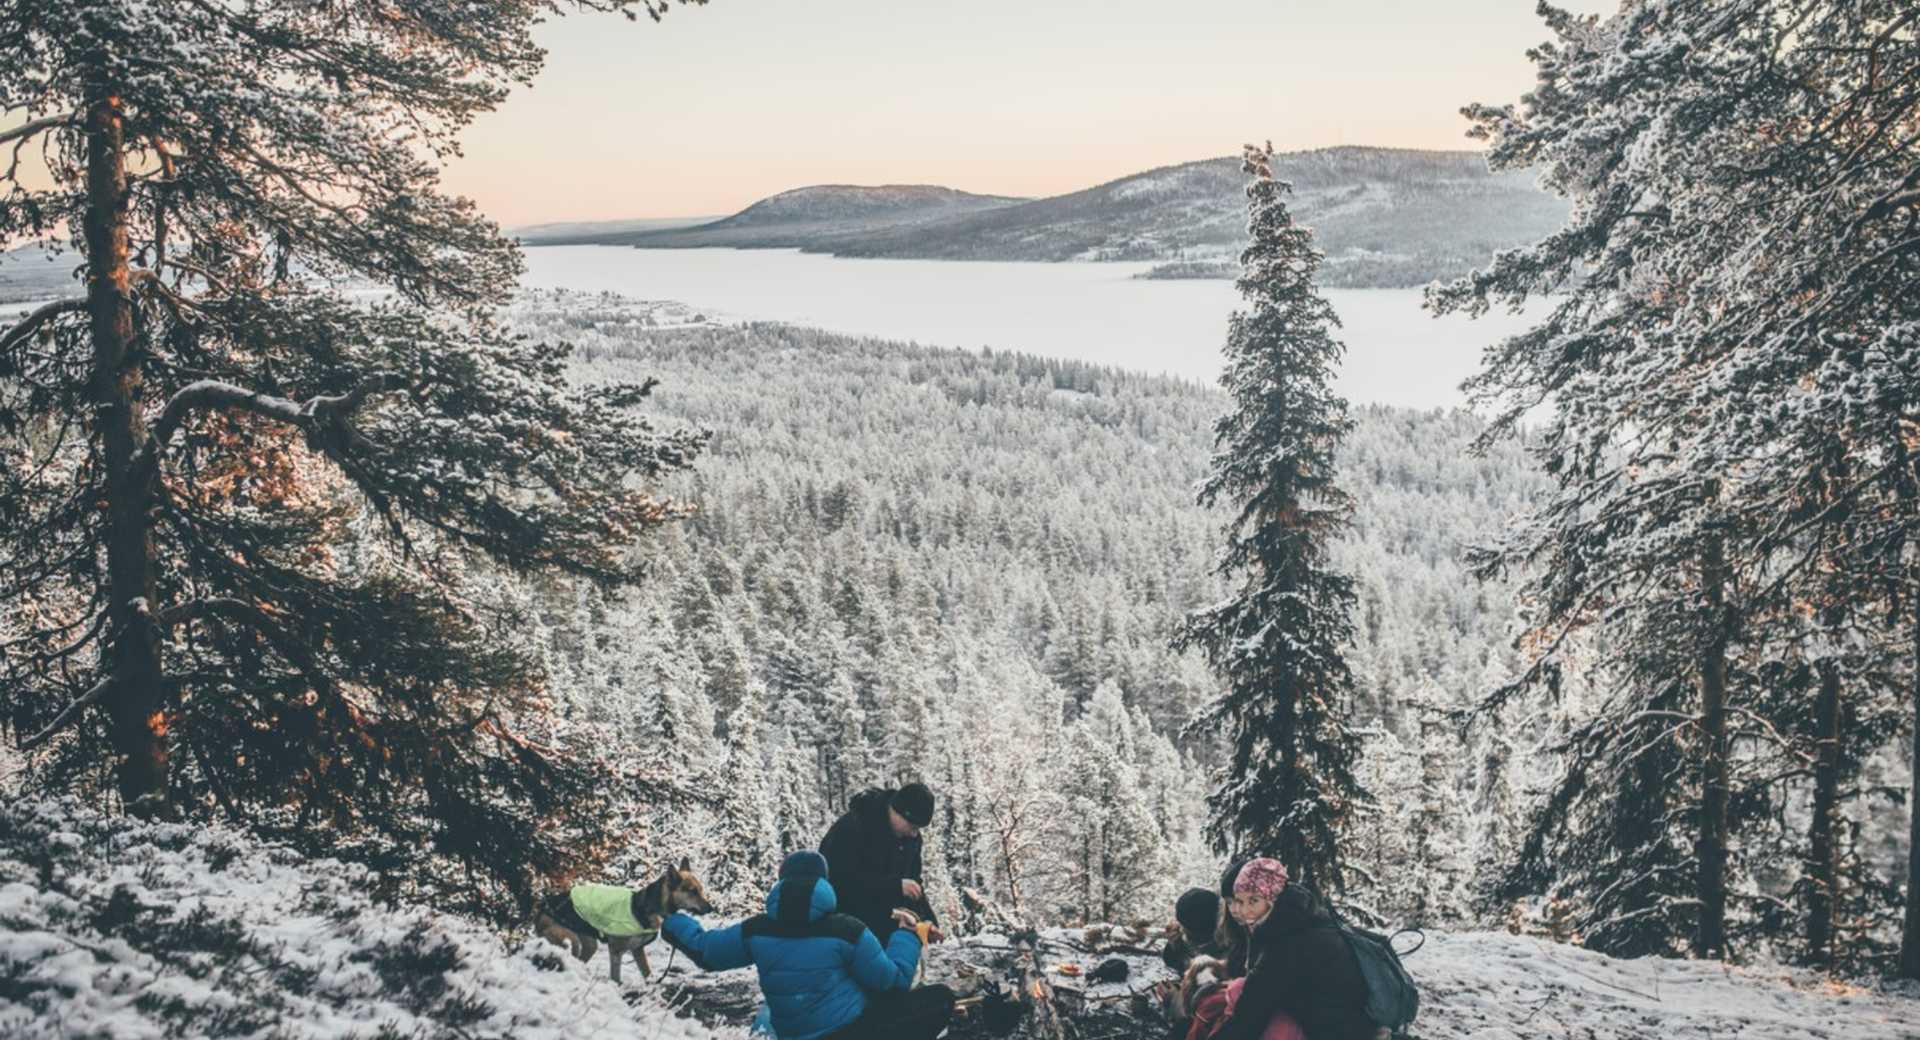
[{"x": 556, "y": 921}]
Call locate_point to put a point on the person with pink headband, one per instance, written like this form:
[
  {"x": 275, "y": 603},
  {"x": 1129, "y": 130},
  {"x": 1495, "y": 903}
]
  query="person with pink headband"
[
  {"x": 1258, "y": 884},
  {"x": 1302, "y": 982}
]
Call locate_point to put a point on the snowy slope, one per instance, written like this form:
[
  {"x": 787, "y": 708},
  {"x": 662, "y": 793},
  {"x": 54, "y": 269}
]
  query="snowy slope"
[
  {"x": 1476, "y": 986},
  {"x": 1493, "y": 986},
  {"x": 111, "y": 928}
]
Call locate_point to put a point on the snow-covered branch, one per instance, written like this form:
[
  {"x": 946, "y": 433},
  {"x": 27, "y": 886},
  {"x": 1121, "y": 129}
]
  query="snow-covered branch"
[
  {"x": 25, "y": 327},
  {"x": 213, "y": 393},
  {"x": 28, "y": 129}
]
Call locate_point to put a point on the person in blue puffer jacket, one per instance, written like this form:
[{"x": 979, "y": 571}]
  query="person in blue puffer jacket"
[{"x": 824, "y": 974}]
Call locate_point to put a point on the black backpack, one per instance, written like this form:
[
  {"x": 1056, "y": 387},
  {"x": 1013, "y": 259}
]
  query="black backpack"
[{"x": 1392, "y": 998}]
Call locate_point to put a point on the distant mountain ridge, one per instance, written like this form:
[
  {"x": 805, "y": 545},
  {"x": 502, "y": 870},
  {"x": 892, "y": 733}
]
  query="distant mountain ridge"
[
  {"x": 543, "y": 234},
  {"x": 1383, "y": 216},
  {"x": 826, "y": 202},
  {"x": 802, "y": 218}
]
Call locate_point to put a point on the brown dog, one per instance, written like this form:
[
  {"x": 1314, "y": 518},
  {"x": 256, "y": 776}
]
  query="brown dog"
[
  {"x": 628, "y": 919},
  {"x": 1202, "y": 974}
]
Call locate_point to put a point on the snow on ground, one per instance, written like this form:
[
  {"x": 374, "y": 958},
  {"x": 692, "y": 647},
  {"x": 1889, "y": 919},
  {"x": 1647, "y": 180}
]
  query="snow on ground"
[
  {"x": 1473, "y": 986},
  {"x": 114, "y": 928},
  {"x": 119, "y": 929},
  {"x": 1493, "y": 986}
]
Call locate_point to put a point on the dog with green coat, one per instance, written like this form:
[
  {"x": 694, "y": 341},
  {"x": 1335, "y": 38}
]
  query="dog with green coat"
[{"x": 623, "y": 918}]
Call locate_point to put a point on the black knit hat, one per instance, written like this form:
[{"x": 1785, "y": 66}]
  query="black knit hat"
[
  {"x": 1230, "y": 875},
  {"x": 1197, "y": 911},
  {"x": 915, "y": 803}
]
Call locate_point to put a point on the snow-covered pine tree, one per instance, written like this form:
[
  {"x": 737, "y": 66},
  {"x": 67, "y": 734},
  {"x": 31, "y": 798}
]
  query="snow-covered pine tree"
[
  {"x": 749, "y": 841},
  {"x": 191, "y": 437},
  {"x": 1735, "y": 291},
  {"x": 1824, "y": 687},
  {"x": 1117, "y": 863},
  {"x": 1279, "y": 641},
  {"x": 1439, "y": 854},
  {"x": 1379, "y": 852},
  {"x": 800, "y": 813}
]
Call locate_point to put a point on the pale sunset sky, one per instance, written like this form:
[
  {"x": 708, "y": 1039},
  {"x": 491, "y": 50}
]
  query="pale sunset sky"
[{"x": 721, "y": 105}]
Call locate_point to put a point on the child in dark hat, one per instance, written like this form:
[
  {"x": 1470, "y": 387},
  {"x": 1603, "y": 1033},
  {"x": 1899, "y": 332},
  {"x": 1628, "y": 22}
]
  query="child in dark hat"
[
  {"x": 1191, "y": 953},
  {"x": 1195, "y": 916}
]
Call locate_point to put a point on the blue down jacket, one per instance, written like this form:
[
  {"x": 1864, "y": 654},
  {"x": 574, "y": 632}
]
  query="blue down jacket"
[{"x": 817, "y": 967}]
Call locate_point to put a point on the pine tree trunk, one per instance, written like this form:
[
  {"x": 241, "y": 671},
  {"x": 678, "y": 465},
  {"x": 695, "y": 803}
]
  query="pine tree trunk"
[
  {"x": 134, "y": 651},
  {"x": 1910, "y": 936},
  {"x": 1712, "y": 846},
  {"x": 1826, "y": 781}
]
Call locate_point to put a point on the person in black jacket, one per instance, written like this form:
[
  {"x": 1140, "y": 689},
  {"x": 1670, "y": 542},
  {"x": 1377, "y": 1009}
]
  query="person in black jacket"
[
  {"x": 873, "y": 856},
  {"x": 1297, "y": 962}
]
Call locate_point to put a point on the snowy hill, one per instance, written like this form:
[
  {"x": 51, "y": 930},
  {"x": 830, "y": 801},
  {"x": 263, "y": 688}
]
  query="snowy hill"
[
  {"x": 853, "y": 202},
  {"x": 800, "y": 218},
  {"x": 113, "y": 928},
  {"x": 569, "y": 231},
  {"x": 1384, "y": 216}
]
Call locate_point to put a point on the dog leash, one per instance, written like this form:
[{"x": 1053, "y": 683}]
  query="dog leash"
[{"x": 666, "y": 1006}]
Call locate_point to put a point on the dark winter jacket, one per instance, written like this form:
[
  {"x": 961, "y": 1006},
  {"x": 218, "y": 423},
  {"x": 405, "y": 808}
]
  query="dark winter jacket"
[
  {"x": 817, "y": 968},
  {"x": 1298, "y": 962},
  {"x": 866, "y": 863}
]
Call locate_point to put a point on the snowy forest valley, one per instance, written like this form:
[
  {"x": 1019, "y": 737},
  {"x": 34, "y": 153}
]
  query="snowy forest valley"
[
  {"x": 909, "y": 561},
  {"x": 387, "y": 629}
]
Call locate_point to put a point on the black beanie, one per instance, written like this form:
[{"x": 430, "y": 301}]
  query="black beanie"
[
  {"x": 915, "y": 803},
  {"x": 1197, "y": 911},
  {"x": 1229, "y": 876}
]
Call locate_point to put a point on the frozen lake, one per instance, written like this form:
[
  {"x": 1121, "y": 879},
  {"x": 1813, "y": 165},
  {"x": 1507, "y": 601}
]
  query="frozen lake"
[{"x": 1396, "y": 352}]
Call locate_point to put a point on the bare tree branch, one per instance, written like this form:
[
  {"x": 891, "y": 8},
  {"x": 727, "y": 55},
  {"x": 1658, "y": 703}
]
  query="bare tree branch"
[
  {"x": 191, "y": 609},
  {"x": 68, "y": 714}
]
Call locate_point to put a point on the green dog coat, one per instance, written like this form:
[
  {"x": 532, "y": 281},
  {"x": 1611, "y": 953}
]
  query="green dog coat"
[{"x": 609, "y": 909}]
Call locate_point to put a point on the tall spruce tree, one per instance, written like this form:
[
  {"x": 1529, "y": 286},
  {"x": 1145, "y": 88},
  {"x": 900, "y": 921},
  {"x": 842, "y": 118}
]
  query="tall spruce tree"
[
  {"x": 1732, "y": 300},
  {"x": 237, "y": 503},
  {"x": 1279, "y": 642}
]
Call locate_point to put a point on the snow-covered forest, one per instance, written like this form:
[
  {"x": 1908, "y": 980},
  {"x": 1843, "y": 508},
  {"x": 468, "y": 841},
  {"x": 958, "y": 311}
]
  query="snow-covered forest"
[
  {"x": 907, "y": 562},
  {"x": 341, "y": 575}
]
